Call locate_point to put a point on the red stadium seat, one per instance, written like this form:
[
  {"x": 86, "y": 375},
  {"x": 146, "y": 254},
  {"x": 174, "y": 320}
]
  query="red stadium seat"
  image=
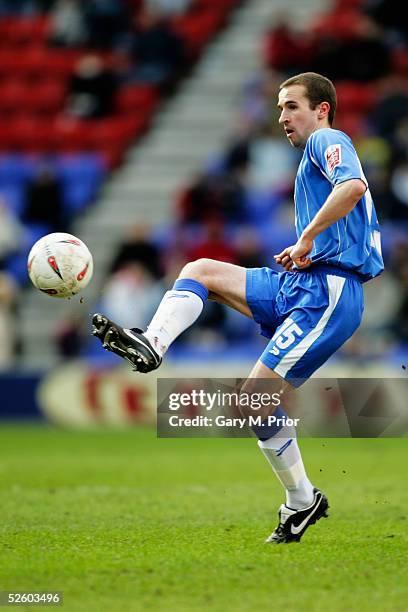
[
  {"x": 400, "y": 61},
  {"x": 61, "y": 63},
  {"x": 197, "y": 29},
  {"x": 223, "y": 6},
  {"x": 20, "y": 96},
  {"x": 70, "y": 135},
  {"x": 132, "y": 99},
  {"x": 113, "y": 156},
  {"x": 14, "y": 93},
  {"x": 31, "y": 135},
  {"x": 39, "y": 62},
  {"x": 47, "y": 97},
  {"x": 354, "y": 124},
  {"x": 21, "y": 31},
  {"x": 5, "y": 136},
  {"x": 118, "y": 131},
  {"x": 8, "y": 62},
  {"x": 342, "y": 25},
  {"x": 355, "y": 97}
]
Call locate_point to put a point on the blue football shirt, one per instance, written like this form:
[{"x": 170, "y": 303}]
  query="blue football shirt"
[{"x": 353, "y": 242}]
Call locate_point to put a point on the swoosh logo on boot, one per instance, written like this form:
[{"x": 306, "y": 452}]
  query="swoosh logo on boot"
[{"x": 295, "y": 530}]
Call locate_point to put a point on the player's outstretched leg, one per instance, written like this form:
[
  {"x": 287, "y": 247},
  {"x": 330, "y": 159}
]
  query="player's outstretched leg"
[
  {"x": 178, "y": 309},
  {"x": 293, "y": 523}
]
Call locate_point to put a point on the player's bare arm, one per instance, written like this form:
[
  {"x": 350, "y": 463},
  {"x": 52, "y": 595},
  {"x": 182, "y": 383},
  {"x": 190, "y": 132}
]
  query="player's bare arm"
[{"x": 340, "y": 202}]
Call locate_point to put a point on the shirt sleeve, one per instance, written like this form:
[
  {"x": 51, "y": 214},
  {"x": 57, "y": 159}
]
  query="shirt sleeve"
[{"x": 334, "y": 154}]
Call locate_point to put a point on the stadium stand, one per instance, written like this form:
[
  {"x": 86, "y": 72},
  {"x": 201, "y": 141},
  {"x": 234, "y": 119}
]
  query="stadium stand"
[{"x": 35, "y": 119}]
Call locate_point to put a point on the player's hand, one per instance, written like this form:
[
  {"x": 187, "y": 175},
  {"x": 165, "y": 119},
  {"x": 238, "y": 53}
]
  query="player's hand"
[
  {"x": 299, "y": 253},
  {"x": 284, "y": 259}
]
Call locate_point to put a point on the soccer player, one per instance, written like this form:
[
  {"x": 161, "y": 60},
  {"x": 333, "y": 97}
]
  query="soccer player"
[{"x": 309, "y": 310}]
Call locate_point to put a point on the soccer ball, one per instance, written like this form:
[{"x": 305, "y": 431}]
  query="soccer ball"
[{"x": 60, "y": 265}]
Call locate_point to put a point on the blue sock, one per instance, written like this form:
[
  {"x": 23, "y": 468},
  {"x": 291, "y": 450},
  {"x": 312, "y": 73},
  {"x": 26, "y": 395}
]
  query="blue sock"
[
  {"x": 193, "y": 286},
  {"x": 269, "y": 427}
]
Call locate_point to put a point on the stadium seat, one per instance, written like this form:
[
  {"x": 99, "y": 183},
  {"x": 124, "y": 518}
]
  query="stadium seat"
[
  {"x": 340, "y": 24},
  {"x": 14, "y": 92},
  {"x": 70, "y": 134},
  {"x": 20, "y": 31},
  {"x": 22, "y": 97},
  {"x": 28, "y": 134},
  {"x": 15, "y": 169},
  {"x": 197, "y": 29},
  {"x": 355, "y": 97},
  {"x": 354, "y": 124},
  {"x": 38, "y": 62},
  {"x": 400, "y": 61},
  {"x": 132, "y": 99},
  {"x": 216, "y": 5},
  {"x": 82, "y": 176},
  {"x": 47, "y": 98},
  {"x": 14, "y": 197},
  {"x": 115, "y": 131}
]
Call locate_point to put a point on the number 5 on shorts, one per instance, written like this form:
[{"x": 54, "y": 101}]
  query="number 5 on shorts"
[{"x": 286, "y": 336}]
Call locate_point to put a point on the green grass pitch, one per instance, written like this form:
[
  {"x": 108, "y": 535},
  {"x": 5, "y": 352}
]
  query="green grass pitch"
[{"x": 121, "y": 521}]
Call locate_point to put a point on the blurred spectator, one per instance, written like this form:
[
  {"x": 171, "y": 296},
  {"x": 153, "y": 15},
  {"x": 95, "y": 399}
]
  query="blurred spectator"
[
  {"x": 383, "y": 299},
  {"x": 364, "y": 56},
  {"x": 44, "y": 201},
  {"x": 92, "y": 89},
  {"x": 229, "y": 183},
  {"x": 11, "y": 233},
  {"x": 401, "y": 137},
  {"x": 375, "y": 155},
  {"x": 389, "y": 14},
  {"x": 398, "y": 310},
  {"x": 24, "y": 7},
  {"x": 214, "y": 245},
  {"x": 106, "y": 21},
  {"x": 131, "y": 294},
  {"x": 286, "y": 49},
  {"x": 271, "y": 160},
  {"x": 168, "y": 8},
  {"x": 138, "y": 248},
  {"x": 258, "y": 105},
  {"x": 216, "y": 197},
  {"x": 399, "y": 188},
  {"x": 400, "y": 323},
  {"x": 67, "y": 24},
  {"x": 8, "y": 296},
  {"x": 249, "y": 252},
  {"x": 392, "y": 107},
  {"x": 68, "y": 337},
  {"x": 157, "y": 52},
  {"x": 198, "y": 201}
]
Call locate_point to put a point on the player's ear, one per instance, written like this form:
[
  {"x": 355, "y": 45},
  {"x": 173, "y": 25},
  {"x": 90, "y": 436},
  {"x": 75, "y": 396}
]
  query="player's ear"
[{"x": 324, "y": 109}]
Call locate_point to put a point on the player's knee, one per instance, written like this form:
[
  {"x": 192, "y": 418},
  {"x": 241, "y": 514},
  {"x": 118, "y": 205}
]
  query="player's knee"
[{"x": 201, "y": 270}]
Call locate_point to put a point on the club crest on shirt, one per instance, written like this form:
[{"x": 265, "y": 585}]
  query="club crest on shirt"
[{"x": 333, "y": 157}]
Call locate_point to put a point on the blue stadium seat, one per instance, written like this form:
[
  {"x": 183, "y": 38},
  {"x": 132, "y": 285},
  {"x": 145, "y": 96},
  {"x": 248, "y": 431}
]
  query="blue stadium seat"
[
  {"x": 16, "y": 169},
  {"x": 14, "y": 197},
  {"x": 82, "y": 176}
]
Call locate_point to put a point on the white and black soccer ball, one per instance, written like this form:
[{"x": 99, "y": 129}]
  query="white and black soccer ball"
[{"x": 60, "y": 265}]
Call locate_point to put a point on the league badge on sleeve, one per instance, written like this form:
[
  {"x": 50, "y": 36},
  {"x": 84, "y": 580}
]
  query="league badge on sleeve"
[{"x": 333, "y": 157}]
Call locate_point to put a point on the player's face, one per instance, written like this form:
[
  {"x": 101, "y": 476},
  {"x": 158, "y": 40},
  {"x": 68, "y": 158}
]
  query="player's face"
[{"x": 297, "y": 118}]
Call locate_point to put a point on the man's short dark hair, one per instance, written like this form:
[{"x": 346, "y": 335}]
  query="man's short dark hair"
[{"x": 318, "y": 89}]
